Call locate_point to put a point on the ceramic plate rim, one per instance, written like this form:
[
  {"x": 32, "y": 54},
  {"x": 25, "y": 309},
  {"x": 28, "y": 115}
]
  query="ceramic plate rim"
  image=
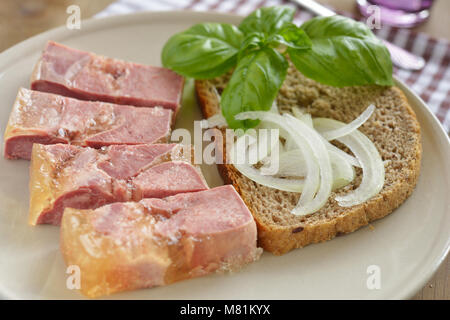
[{"x": 23, "y": 48}]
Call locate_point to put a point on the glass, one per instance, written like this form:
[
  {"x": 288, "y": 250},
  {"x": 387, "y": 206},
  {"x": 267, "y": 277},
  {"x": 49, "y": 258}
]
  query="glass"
[{"x": 398, "y": 13}]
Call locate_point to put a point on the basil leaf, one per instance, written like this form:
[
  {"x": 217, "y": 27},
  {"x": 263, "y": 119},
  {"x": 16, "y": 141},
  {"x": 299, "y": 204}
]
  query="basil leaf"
[
  {"x": 254, "y": 85},
  {"x": 267, "y": 20},
  {"x": 291, "y": 36},
  {"x": 253, "y": 41},
  {"x": 295, "y": 37},
  {"x": 343, "y": 53},
  {"x": 203, "y": 51}
]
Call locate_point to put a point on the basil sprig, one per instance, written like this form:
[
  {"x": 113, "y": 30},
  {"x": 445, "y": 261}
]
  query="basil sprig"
[{"x": 334, "y": 50}]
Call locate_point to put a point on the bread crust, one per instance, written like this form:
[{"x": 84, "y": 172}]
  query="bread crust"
[{"x": 280, "y": 238}]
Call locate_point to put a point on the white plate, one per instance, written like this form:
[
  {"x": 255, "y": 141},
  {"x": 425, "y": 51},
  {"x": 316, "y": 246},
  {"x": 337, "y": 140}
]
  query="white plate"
[{"x": 407, "y": 246}]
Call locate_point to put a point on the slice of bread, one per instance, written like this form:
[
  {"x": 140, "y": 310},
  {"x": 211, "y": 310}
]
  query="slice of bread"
[{"x": 393, "y": 128}]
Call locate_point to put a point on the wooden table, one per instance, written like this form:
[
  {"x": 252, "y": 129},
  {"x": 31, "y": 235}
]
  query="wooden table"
[{"x": 21, "y": 19}]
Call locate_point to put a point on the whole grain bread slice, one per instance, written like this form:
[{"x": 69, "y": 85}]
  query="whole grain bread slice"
[{"x": 393, "y": 128}]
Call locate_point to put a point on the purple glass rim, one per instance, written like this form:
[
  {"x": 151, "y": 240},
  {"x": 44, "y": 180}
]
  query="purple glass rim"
[{"x": 395, "y": 17}]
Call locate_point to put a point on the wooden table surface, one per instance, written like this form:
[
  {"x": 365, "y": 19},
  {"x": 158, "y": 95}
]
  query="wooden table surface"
[{"x": 21, "y": 19}]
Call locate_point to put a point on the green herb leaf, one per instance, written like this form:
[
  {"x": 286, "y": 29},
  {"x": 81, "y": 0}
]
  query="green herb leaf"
[
  {"x": 343, "y": 53},
  {"x": 267, "y": 20},
  {"x": 253, "y": 41},
  {"x": 293, "y": 37},
  {"x": 204, "y": 51},
  {"x": 254, "y": 85}
]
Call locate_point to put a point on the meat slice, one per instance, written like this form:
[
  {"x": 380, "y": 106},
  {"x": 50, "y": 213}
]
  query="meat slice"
[
  {"x": 155, "y": 242},
  {"x": 87, "y": 76},
  {"x": 167, "y": 179},
  {"x": 85, "y": 178},
  {"x": 45, "y": 118}
]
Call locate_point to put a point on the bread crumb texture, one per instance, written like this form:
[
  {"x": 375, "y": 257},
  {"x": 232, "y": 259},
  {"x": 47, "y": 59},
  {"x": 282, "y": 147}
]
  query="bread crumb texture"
[{"x": 393, "y": 128}]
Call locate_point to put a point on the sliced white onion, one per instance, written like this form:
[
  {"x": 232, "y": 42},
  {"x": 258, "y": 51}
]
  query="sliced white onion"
[
  {"x": 290, "y": 185},
  {"x": 307, "y": 119},
  {"x": 312, "y": 180},
  {"x": 301, "y": 115},
  {"x": 352, "y": 126},
  {"x": 343, "y": 171},
  {"x": 341, "y": 162},
  {"x": 351, "y": 159},
  {"x": 317, "y": 165},
  {"x": 298, "y": 112},
  {"x": 290, "y": 144},
  {"x": 367, "y": 155},
  {"x": 271, "y": 125},
  {"x": 323, "y": 159},
  {"x": 314, "y": 151},
  {"x": 292, "y": 164}
]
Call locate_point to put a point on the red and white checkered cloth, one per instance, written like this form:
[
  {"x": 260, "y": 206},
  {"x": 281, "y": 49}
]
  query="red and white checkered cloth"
[{"x": 432, "y": 83}]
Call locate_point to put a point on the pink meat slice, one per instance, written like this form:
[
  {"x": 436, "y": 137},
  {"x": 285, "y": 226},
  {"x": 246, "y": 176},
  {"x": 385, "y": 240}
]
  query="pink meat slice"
[
  {"x": 39, "y": 117},
  {"x": 87, "y": 76},
  {"x": 148, "y": 124},
  {"x": 168, "y": 178},
  {"x": 124, "y": 162},
  {"x": 86, "y": 178},
  {"x": 158, "y": 241},
  {"x": 80, "y": 185},
  {"x": 28, "y": 124}
]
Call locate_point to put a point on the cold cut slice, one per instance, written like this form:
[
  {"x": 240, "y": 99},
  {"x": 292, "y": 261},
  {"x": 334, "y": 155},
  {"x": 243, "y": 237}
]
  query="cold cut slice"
[
  {"x": 155, "y": 242},
  {"x": 39, "y": 117},
  {"x": 87, "y": 76},
  {"x": 85, "y": 178},
  {"x": 167, "y": 179}
]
